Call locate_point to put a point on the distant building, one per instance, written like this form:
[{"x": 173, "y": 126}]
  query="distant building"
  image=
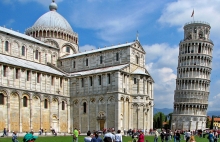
[
  {"x": 46, "y": 82},
  {"x": 193, "y": 77},
  {"x": 216, "y": 122}
]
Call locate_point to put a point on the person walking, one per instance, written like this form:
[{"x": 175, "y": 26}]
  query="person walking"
[
  {"x": 88, "y": 138},
  {"x": 4, "y": 132},
  {"x": 75, "y": 135}
]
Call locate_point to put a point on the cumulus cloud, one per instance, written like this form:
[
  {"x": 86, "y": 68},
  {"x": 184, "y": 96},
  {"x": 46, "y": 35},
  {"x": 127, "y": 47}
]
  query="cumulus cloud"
[
  {"x": 214, "y": 102},
  {"x": 161, "y": 63}
]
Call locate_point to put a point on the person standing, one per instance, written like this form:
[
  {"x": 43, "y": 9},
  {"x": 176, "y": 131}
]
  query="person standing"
[
  {"x": 141, "y": 137},
  {"x": 14, "y": 137},
  {"x": 177, "y": 136},
  {"x": 88, "y": 138},
  {"x": 118, "y": 136},
  {"x": 110, "y": 135},
  {"x": 188, "y": 135},
  {"x": 215, "y": 136},
  {"x": 192, "y": 139},
  {"x": 96, "y": 138},
  {"x": 211, "y": 136},
  {"x": 75, "y": 135},
  {"x": 156, "y": 136}
]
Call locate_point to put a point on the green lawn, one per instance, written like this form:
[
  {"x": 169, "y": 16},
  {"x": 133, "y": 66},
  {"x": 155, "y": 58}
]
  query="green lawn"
[{"x": 69, "y": 139}]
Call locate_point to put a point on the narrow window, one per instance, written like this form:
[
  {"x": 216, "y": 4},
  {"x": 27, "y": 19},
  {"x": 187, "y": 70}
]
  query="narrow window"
[
  {"x": 199, "y": 50},
  {"x": 84, "y": 107},
  {"x": 17, "y": 73},
  {"x": 4, "y": 71},
  {"x": 45, "y": 104},
  {"x": 117, "y": 56},
  {"x": 87, "y": 62},
  {"x": 61, "y": 63},
  {"x": 137, "y": 60},
  {"x": 6, "y": 46},
  {"x": 24, "y": 101},
  {"x": 90, "y": 78},
  {"x": 100, "y": 59},
  {"x": 100, "y": 80},
  {"x": 1, "y": 99},
  {"x": 36, "y": 54},
  {"x": 52, "y": 80},
  {"x": 28, "y": 75},
  {"x": 63, "y": 105},
  {"x": 109, "y": 78},
  {"x": 135, "y": 80},
  {"x": 74, "y": 64},
  {"x": 38, "y": 78},
  {"x": 23, "y": 51},
  {"x": 68, "y": 49},
  {"x": 82, "y": 82},
  {"x": 61, "y": 82}
]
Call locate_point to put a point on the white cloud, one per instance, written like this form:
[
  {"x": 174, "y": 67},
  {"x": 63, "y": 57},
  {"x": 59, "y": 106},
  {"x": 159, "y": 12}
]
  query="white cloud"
[
  {"x": 161, "y": 63},
  {"x": 86, "y": 48},
  {"x": 214, "y": 102},
  {"x": 111, "y": 20},
  {"x": 179, "y": 12}
]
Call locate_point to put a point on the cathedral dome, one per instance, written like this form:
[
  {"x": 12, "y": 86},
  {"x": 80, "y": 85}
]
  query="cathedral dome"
[
  {"x": 52, "y": 19},
  {"x": 52, "y": 25}
]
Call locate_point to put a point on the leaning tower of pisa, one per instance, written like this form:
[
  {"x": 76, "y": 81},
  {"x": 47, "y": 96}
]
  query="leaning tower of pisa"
[{"x": 193, "y": 77}]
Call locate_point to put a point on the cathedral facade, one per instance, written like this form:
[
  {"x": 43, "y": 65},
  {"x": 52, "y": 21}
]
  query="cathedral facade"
[{"x": 47, "y": 83}]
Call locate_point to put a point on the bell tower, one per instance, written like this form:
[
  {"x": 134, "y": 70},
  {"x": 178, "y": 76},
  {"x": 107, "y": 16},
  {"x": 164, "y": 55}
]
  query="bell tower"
[{"x": 193, "y": 77}]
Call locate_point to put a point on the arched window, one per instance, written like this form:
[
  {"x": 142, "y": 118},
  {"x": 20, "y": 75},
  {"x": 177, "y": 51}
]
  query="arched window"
[
  {"x": 45, "y": 103},
  {"x": 25, "y": 101},
  {"x": 1, "y": 99},
  {"x": 68, "y": 49},
  {"x": 23, "y": 51},
  {"x": 117, "y": 56},
  {"x": 84, "y": 107},
  {"x": 36, "y": 54},
  {"x": 63, "y": 105},
  {"x": 6, "y": 46}
]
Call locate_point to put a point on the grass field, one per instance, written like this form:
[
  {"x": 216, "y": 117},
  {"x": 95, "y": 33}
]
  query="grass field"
[{"x": 69, "y": 139}]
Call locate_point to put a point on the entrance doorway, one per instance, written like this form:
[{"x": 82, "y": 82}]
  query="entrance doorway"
[{"x": 102, "y": 124}]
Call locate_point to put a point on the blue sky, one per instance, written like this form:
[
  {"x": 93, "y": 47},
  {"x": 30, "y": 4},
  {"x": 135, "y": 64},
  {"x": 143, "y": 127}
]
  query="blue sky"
[{"x": 102, "y": 23}]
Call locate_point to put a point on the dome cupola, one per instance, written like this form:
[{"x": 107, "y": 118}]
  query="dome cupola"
[{"x": 52, "y": 25}]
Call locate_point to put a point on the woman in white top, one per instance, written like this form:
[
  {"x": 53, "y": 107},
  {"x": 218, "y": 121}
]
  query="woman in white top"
[
  {"x": 88, "y": 138},
  {"x": 118, "y": 136}
]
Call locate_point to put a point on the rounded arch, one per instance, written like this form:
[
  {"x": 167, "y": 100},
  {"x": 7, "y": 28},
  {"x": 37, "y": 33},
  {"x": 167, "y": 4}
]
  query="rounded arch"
[{"x": 71, "y": 47}]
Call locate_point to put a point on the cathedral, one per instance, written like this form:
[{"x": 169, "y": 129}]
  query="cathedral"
[{"x": 47, "y": 83}]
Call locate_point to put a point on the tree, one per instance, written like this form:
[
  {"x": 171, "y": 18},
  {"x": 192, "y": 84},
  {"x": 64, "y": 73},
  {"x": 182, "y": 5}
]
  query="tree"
[
  {"x": 211, "y": 126},
  {"x": 158, "y": 119},
  {"x": 161, "y": 121}
]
